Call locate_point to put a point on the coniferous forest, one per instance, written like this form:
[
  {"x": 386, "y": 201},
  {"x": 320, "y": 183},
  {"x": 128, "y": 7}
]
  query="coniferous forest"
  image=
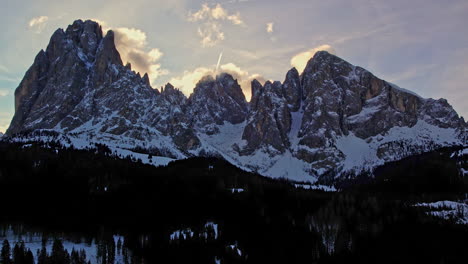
[{"x": 205, "y": 210}]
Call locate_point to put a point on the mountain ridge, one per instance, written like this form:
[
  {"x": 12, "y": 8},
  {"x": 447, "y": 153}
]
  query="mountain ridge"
[{"x": 332, "y": 118}]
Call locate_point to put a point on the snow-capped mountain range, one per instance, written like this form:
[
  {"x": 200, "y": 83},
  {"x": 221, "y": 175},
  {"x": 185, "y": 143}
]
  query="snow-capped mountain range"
[{"x": 333, "y": 118}]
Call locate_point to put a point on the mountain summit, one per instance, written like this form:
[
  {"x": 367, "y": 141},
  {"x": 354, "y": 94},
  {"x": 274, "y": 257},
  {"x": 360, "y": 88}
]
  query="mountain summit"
[{"x": 332, "y": 119}]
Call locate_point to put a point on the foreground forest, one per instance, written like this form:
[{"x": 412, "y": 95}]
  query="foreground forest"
[{"x": 204, "y": 210}]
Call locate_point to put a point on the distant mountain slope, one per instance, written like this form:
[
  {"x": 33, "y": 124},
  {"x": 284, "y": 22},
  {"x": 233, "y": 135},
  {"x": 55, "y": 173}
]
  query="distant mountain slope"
[{"x": 331, "y": 119}]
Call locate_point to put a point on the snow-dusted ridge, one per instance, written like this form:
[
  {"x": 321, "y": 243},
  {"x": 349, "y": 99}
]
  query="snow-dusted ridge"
[
  {"x": 333, "y": 119},
  {"x": 82, "y": 142}
]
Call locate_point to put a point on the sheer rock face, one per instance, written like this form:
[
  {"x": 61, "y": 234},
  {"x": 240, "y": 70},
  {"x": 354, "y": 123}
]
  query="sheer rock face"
[
  {"x": 269, "y": 120},
  {"x": 215, "y": 101},
  {"x": 332, "y": 118}
]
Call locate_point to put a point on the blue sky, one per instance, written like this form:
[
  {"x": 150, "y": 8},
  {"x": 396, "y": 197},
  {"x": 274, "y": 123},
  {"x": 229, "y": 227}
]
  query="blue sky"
[{"x": 418, "y": 45}]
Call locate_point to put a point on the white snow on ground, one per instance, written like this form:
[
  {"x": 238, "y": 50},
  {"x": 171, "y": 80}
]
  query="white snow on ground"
[
  {"x": 296, "y": 122},
  {"x": 463, "y": 171},
  {"x": 214, "y": 227},
  {"x": 359, "y": 154},
  {"x": 459, "y": 153},
  {"x": 236, "y": 249},
  {"x": 182, "y": 234},
  {"x": 356, "y": 150},
  {"x": 82, "y": 142},
  {"x": 188, "y": 233},
  {"x": 236, "y": 190},
  {"x": 33, "y": 241},
  {"x": 276, "y": 166},
  {"x": 155, "y": 160},
  {"x": 289, "y": 167},
  {"x": 315, "y": 187},
  {"x": 362, "y": 155},
  {"x": 449, "y": 210}
]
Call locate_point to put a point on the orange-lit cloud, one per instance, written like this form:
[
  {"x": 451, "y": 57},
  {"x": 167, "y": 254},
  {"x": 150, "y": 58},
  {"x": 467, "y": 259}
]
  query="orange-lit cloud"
[
  {"x": 187, "y": 81},
  {"x": 300, "y": 60},
  {"x": 269, "y": 27},
  {"x": 133, "y": 47}
]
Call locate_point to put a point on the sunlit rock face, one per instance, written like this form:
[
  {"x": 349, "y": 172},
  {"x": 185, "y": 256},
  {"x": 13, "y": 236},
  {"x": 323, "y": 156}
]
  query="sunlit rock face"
[
  {"x": 269, "y": 120},
  {"x": 333, "y": 118}
]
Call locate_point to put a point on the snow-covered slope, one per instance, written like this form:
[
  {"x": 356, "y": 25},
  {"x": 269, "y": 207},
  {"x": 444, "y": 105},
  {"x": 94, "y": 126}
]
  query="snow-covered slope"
[{"x": 332, "y": 119}]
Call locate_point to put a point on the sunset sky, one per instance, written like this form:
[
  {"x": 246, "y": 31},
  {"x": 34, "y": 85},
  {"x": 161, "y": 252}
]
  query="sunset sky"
[{"x": 418, "y": 45}]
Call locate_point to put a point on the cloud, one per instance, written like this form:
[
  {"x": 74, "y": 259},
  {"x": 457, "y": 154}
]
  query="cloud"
[
  {"x": 9, "y": 79},
  {"x": 269, "y": 27},
  {"x": 411, "y": 72},
  {"x": 4, "y": 69},
  {"x": 37, "y": 24},
  {"x": 210, "y": 31},
  {"x": 210, "y": 34},
  {"x": 133, "y": 47},
  {"x": 215, "y": 13},
  {"x": 187, "y": 81},
  {"x": 300, "y": 60},
  {"x": 4, "y": 92}
]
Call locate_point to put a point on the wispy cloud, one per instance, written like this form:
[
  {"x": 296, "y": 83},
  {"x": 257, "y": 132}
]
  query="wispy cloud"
[
  {"x": 9, "y": 79},
  {"x": 4, "y": 69},
  {"x": 210, "y": 31},
  {"x": 215, "y": 13},
  {"x": 411, "y": 72},
  {"x": 37, "y": 24},
  {"x": 300, "y": 60}
]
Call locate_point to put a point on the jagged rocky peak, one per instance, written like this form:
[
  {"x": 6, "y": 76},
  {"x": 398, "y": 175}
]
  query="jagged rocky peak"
[
  {"x": 107, "y": 56},
  {"x": 217, "y": 100},
  {"x": 87, "y": 35},
  {"x": 339, "y": 97},
  {"x": 293, "y": 89},
  {"x": 269, "y": 120},
  {"x": 56, "y": 77},
  {"x": 75, "y": 80},
  {"x": 173, "y": 95},
  {"x": 333, "y": 117}
]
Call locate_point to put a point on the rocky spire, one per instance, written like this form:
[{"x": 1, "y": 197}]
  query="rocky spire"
[
  {"x": 106, "y": 56},
  {"x": 292, "y": 89},
  {"x": 257, "y": 89},
  {"x": 146, "y": 80}
]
